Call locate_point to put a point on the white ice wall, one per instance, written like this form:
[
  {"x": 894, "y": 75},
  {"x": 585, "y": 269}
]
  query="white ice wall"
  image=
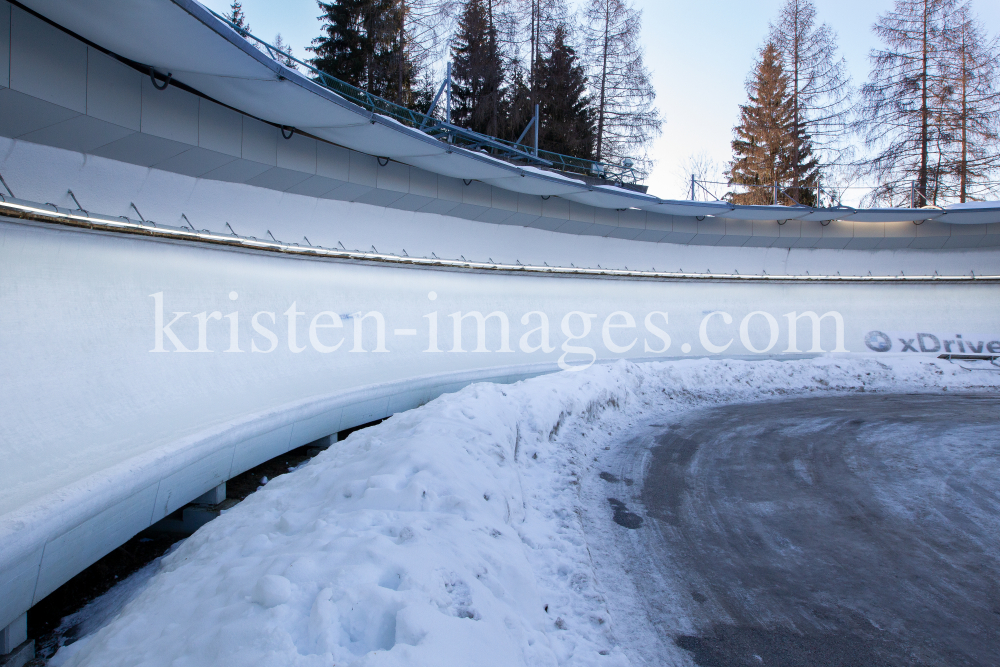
[
  {"x": 102, "y": 436},
  {"x": 99, "y": 436}
]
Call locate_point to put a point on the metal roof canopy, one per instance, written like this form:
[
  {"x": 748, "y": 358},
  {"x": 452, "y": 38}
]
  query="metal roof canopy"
[{"x": 184, "y": 39}]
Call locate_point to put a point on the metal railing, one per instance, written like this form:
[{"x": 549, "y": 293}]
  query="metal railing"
[{"x": 508, "y": 151}]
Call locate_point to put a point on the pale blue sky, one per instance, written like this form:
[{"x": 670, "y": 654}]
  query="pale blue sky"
[{"x": 699, "y": 53}]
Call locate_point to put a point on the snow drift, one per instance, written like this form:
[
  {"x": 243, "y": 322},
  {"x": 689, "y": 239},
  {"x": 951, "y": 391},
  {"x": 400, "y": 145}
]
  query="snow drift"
[{"x": 449, "y": 535}]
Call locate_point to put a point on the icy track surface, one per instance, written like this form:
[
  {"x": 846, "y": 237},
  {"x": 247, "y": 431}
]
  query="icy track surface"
[{"x": 449, "y": 535}]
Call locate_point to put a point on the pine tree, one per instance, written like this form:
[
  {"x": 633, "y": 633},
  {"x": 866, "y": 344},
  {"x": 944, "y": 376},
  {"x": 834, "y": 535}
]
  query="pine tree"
[
  {"x": 971, "y": 107},
  {"x": 364, "y": 44},
  {"x": 623, "y": 97},
  {"x": 819, "y": 86},
  {"x": 902, "y": 103},
  {"x": 766, "y": 149},
  {"x": 567, "y": 119},
  {"x": 477, "y": 72},
  {"x": 237, "y": 17}
]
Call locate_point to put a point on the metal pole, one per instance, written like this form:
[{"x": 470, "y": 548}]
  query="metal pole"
[
  {"x": 913, "y": 194},
  {"x": 536, "y": 130},
  {"x": 447, "y": 113},
  {"x": 819, "y": 193},
  {"x": 775, "y": 192},
  {"x": 692, "y": 187}
]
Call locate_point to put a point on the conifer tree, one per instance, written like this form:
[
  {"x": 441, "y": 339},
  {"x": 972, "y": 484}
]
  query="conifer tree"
[
  {"x": 236, "y": 16},
  {"x": 766, "y": 149},
  {"x": 623, "y": 97},
  {"x": 539, "y": 20},
  {"x": 520, "y": 107},
  {"x": 818, "y": 83},
  {"x": 364, "y": 44},
  {"x": 477, "y": 72},
  {"x": 567, "y": 119}
]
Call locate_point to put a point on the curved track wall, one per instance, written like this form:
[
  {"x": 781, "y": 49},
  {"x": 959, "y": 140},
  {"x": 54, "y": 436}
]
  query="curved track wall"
[
  {"x": 137, "y": 373},
  {"x": 115, "y": 417}
]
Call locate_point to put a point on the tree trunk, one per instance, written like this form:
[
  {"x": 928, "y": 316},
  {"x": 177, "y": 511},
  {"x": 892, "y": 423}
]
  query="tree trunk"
[
  {"x": 795, "y": 106},
  {"x": 964, "y": 119},
  {"x": 924, "y": 106},
  {"x": 604, "y": 79}
]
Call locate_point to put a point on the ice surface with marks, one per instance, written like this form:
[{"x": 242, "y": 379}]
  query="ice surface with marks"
[{"x": 449, "y": 535}]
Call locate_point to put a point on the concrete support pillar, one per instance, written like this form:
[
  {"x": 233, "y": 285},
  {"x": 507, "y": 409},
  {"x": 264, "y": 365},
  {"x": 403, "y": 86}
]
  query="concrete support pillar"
[
  {"x": 14, "y": 634},
  {"x": 15, "y": 649},
  {"x": 213, "y": 497},
  {"x": 324, "y": 442}
]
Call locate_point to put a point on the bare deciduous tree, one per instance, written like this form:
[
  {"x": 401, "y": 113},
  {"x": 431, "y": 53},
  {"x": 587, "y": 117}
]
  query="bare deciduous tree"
[
  {"x": 284, "y": 49},
  {"x": 537, "y": 22},
  {"x": 622, "y": 94},
  {"x": 971, "y": 111},
  {"x": 902, "y": 103},
  {"x": 708, "y": 173},
  {"x": 818, "y": 84}
]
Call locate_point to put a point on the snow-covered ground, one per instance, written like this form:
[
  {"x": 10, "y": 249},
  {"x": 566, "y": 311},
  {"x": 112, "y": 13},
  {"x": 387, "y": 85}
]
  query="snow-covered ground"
[{"x": 452, "y": 534}]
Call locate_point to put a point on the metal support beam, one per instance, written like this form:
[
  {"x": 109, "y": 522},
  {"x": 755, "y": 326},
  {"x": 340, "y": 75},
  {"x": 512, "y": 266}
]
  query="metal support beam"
[
  {"x": 447, "y": 109},
  {"x": 15, "y": 648},
  {"x": 536, "y": 130},
  {"x": 525, "y": 132},
  {"x": 212, "y": 497}
]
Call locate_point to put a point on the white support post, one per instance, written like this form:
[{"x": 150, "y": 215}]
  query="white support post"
[
  {"x": 14, "y": 635},
  {"x": 447, "y": 108},
  {"x": 536, "y": 130},
  {"x": 324, "y": 442},
  {"x": 213, "y": 497}
]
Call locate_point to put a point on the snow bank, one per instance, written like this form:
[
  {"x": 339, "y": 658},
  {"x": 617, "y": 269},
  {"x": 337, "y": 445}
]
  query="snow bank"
[{"x": 449, "y": 535}]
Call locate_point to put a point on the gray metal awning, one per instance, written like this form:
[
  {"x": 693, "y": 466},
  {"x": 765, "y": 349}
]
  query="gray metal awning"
[{"x": 184, "y": 39}]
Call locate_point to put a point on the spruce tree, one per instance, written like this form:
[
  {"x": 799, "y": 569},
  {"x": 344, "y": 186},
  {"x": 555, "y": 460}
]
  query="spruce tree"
[
  {"x": 767, "y": 150},
  {"x": 567, "y": 119},
  {"x": 364, "y": 44},
  {"x": 520, "y": 107},
  {"x": 236, "y": 16},
  {"x": 341, "y": 50},
  {"x": 538, "y": 21},
  {"x": 477, "y": 72}
]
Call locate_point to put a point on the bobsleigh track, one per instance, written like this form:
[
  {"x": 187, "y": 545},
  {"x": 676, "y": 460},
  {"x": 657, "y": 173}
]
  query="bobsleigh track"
[{"x": 208, "y": 259}]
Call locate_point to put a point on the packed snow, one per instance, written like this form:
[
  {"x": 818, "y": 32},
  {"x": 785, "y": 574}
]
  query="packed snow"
[{"x": 448, "y": 535}]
